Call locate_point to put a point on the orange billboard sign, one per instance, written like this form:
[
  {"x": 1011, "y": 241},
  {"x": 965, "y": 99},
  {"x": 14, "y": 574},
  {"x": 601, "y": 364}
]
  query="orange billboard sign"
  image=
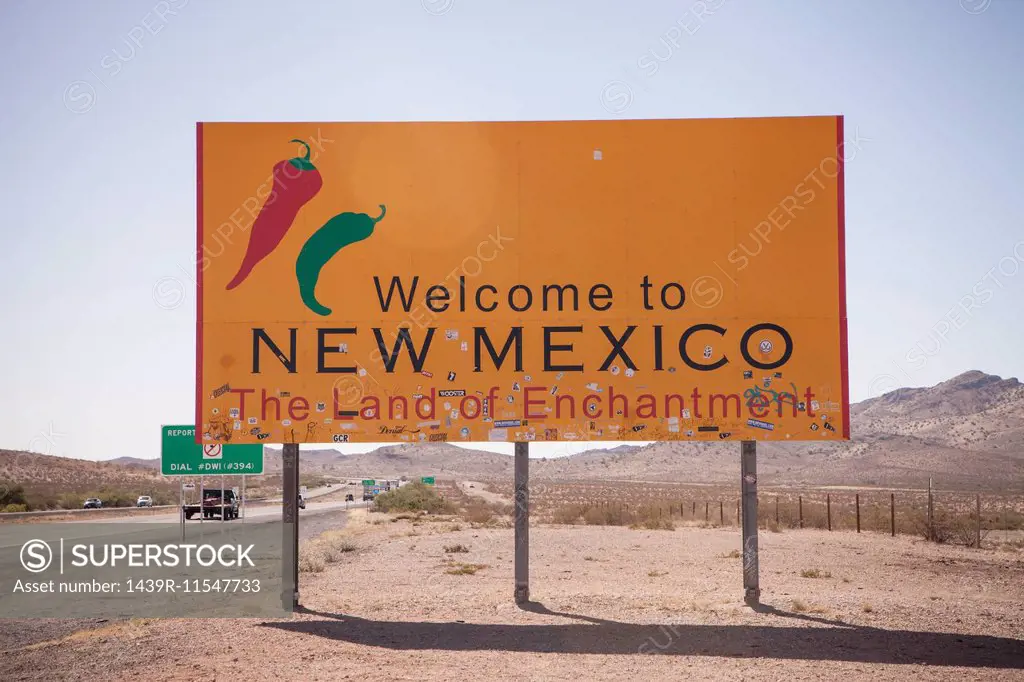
[{"x": 517, "y": 281}]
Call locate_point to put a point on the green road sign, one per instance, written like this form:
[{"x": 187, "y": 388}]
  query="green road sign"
[
  {"x": 368, "y": 481},
  {"x": 180, "y": 455},
  {"x": 429, "y": 480}
]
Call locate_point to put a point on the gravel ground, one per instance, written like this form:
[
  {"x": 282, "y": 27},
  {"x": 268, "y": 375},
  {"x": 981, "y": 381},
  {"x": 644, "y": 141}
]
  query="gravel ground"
[{"x": 608, "y": 603}]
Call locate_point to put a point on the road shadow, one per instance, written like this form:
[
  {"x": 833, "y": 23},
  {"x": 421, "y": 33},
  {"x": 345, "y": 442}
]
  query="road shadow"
[{"x": 827, "y": 641}]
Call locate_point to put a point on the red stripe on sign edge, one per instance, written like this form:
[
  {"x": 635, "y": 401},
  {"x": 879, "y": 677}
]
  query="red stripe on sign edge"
[
  {"x": 844, "y": 353},
  {"x": 199, "y": 282}
]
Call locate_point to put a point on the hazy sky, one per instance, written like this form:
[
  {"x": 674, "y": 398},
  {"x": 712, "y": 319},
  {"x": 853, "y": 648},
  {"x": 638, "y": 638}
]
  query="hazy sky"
[{"x": 101, "y": 101}]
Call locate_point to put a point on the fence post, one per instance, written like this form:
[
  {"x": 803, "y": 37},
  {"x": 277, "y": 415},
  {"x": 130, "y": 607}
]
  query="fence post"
[
  {"x": 721, "y": 513},
  {"x": 858, "y": 513},
  {"x": 776, "y": 511},
  {"x": 977, "y": 506},
  {"x": 693, "y": 512},
  {"x": 706, "y": 507},
  {"x": 737, "y": 512},
  {"x": 931, "y": 513},
  {"x": 828, "y": 510},
  {"x": 800, "y": 501},
  {"x": 892, "y": 513}
]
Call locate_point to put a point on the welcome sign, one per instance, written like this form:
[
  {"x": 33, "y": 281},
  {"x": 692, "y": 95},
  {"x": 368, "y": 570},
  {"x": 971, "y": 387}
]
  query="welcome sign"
[{"x": 516, "y": 281}]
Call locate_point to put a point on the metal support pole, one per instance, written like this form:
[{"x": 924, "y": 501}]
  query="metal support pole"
[
  {"x": 858, "y": 512},
  {"x": 290, "y": 518},
  {"x": 748, "y": 486},
  {"x": 828, "y": 510},
  {"x": 181, "y": 508},
  {"x": 522, "y": 522}
]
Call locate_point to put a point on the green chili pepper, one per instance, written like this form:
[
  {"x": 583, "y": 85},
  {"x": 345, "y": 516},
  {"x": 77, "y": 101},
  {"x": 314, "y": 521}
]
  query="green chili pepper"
[{"x": 334, "y": 235}]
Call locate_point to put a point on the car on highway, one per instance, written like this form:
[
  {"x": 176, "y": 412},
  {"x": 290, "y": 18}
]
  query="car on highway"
[
  {"x": 302, "y": 501},
  {"x": 350, "y": 498},
  {"x": 144, "y": 501},
  {"x": 222, "y": 503},
  {"x": 93, "y": 503}
]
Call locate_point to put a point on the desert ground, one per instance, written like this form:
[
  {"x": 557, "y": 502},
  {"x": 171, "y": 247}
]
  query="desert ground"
[{"x": 429, "y": 597}]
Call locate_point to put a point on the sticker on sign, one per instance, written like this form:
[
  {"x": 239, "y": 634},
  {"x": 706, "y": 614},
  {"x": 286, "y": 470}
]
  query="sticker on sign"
[{"x": 213, "y": 451}]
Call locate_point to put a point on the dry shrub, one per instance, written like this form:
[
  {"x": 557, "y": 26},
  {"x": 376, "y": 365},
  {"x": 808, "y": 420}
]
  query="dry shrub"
[
  {"x": 465, "y": 569},
  {"x": 947, "y": 528},
  {"x": 814, "y": 573},
  {"x": 477, "y": 511},
  {"x": 455, "y": 549},
  {"x": 412, "y": 497},
  {"x": 568, "y": 515},
  {"x": 653, "y": 524},
  {"x": 311, "y": 559},
  {"x": 333, "y": 545},
  {"x": 316, "y": 554}
]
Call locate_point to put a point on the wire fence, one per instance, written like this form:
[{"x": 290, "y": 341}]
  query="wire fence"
[{"x": 946, "y": 517}]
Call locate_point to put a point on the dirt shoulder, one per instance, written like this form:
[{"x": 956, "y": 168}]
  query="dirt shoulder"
[
  {"x": 478, "y": 489},
  {"x": 608, "y": 603}
]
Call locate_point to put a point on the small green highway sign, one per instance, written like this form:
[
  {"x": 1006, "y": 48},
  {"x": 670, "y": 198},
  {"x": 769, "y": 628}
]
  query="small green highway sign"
[
  {"x": 429, "y": 480},
  {"x": 367, "y": 482},
  {"x": 180, "y": 455}
]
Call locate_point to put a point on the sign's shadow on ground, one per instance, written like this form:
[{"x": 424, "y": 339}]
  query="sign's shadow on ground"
[{"x": 837, "y": 642}]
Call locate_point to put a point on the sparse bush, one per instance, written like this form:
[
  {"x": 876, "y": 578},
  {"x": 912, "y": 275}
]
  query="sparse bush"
[
  {"x": 568, "y": 515},
  {"x": 653, "y": 524},
  {"x": 311, "y": 559},
  {"x": 814, "y": 573},
  {"x": 14, "y": 508},
  {"x": 867, "y": 608},
  {"x": 477, "y": 511},
  {"x": 414, "y": 496},
  {"x": 734, "y": 554},
  {"x": 948, "y": 529},
  {"x": 333, "y": 545},
  {"x": 455, "y": 549},
  {"x": 11, "y": 494},
  {"x": 70, "y": 501},
  {"x": 465, "y": 569}
]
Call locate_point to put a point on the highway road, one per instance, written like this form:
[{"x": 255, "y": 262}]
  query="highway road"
[{"x": 262, "y": 513}]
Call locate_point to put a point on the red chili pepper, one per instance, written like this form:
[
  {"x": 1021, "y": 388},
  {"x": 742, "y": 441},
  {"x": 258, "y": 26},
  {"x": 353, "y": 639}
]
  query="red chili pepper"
[{"x": 296, "y": 181}]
